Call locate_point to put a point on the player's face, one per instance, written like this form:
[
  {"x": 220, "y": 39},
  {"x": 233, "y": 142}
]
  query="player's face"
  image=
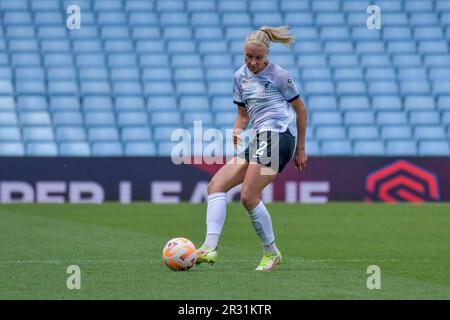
[{"x": 255, "y": 57}]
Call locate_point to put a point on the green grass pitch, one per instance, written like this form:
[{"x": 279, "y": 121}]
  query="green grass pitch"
[{"x": 326, "y": 251}]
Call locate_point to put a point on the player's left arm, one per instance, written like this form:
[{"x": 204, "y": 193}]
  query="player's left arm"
[{"x": 300, "y": 157}]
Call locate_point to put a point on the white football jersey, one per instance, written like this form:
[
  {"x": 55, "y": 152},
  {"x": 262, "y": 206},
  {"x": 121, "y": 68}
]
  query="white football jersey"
[{"x": 266, "y": 97}]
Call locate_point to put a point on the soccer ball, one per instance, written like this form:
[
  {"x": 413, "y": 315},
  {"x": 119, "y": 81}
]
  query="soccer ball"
[{"x": 179, "y": 254}]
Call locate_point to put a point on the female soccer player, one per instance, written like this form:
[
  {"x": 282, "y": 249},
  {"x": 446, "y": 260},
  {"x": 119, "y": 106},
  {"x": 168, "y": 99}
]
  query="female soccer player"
[{"x": 267, "y": 96}]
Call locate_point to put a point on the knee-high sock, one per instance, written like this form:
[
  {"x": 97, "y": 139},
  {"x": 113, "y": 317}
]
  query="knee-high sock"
[
  {"x": 263, "y": 226},
  {"x": 216, "y": 213}
]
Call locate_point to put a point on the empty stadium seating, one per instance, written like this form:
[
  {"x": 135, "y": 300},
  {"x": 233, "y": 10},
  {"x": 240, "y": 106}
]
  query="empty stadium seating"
[{"x": 138, "y": 69}]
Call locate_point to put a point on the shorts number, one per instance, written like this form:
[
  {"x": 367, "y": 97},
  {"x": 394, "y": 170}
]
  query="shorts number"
[{"x": 260, "y": 150}]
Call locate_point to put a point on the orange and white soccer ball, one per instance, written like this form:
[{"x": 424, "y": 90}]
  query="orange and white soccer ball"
[{"x": 179, "y": 254}]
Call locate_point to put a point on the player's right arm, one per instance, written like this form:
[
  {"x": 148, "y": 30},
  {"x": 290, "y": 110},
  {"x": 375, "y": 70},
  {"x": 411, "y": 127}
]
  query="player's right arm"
[{"x": 240, "y": 124}]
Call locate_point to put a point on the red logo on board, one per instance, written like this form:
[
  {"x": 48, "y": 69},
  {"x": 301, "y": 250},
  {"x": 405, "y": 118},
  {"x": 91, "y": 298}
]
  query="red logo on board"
[{"x": 402, "y": 181}]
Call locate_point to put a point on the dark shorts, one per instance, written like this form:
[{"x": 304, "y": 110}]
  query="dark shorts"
[{"x": 266, "y": 143}]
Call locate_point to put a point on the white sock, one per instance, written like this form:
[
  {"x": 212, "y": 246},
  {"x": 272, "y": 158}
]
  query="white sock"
[
  {"x": 263, "y": 226},
  {"x": 216, "y": 213}
]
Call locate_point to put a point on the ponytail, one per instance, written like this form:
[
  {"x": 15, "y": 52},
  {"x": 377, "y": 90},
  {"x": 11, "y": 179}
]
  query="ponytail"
[{"x": 266, "y": 34}]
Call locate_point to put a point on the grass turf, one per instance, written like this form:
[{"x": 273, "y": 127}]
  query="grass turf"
[{"x": 326, "y": 251}]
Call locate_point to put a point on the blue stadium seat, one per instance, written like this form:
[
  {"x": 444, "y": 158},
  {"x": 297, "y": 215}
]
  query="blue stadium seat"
[
  {"x": 129, "y": 103},
  {"x": 107, "y": 149},
  {"x": 401, "y": 46},
  {"x": 143, "y": 149},
  {"x": 225, "y": 118},
  {"x": 158, "y": 88},
  {"x": 127, "y": 88},
  {"x": 429, "y": 133},
  {"x": 97, "y": 103},
  {"x": 165, "y": 118},
  {"x": 441, "y": 88},
  {"x": 387, "y": 103},
  {"x": 350, "y": 88},
  {"x": 35, "y": 118},
  {"x": 363, "y": 132},
  {"x": 67, "y": 118},
  {"x": 320, "y": 73},
  {"x": 190, "y": 117},
  {"x": 412, "y": 73},
  {"x": 401, "y": 148},
  {"x": 368, "y": 148},
  {"x": 95, "y": 88},
  {"x": 419, "y": 102},
  {"x": 74, "y": 149},
  {"x": 342, "y": 60},
  {"x": 99, "y": 118},
  {"x": 359, "y": 118},
  {"x": 8, "y": 118},
  {"x": 12, "y": 149},
  {"x": 40, "y": 133},
  {"x": 326, "y": 118},
  {"x": 438, "y": 74},
  {"x": 383, "y": 87},
  {"x": 135, "y": 134},
  {"x": 132, "y": 118},
  {"x": 201, "y": 5},
  {"x": 41, "y": 149},
  {"x": 103, "y": 134},
  {"x": 312, "y": 148},
  {"x": 424, "y": 118},
  {"x": 194, "y": 103},
  {"x": 330, "y": 132},
  {"x": 222, "y": 103},
  {"x": 32, "y": 103},
  {"x": 319, "y": 87},
  {"x": 391, "y": 118},
  {"x": 220, "y": 88},
  {"x": 392, "y": 132},
  {"x": 7, "y": 103},
  {"x": 322, "y": 102},
  {"x": 10, "y": 134},
  {"x": 204, "y": 18},
  {"x": 335, "y": 148},
  {"x": 434, "y": 148},
  {"x": 161, "y": 103},
  {"x": 164, "y": 133},
  {"x": 93, "y": 73},
  {"x": 348, "y": 73},
  {"x": 380, "y": 73},
  {"x": 414, "y": 87},
  {"x": 70, "y": 133},
  {"x": 347, "y": 103},
  {"x": 443, "y": 103}
]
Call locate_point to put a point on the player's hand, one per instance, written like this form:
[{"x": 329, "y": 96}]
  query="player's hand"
[{"x": 300, "y": 159}]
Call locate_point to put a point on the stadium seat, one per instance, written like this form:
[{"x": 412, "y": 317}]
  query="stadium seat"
[
  {"x": 136, "y": 149},
  {"x": 335, "y": 148},
  {"x": 136, "y": 134},
  {"x": 12, "y": 149},
  {"x": 41, "y": 149},
  {"x": 74, "y": 149},
  {"x": 434, "y": 148},
  {"x": 368, "y": 148},
  {"x": 107, "y": 149},
  {"x": 330, "y": 132},
  {"x": 136, "y": 67},
  {"x": 401, "y": 132},
  {"x": 401, "y": 148},
  {"x": 365, "y": 132}
]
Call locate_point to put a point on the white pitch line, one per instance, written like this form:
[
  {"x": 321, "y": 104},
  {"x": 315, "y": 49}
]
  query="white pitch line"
[{"x": 74, "y": 261}]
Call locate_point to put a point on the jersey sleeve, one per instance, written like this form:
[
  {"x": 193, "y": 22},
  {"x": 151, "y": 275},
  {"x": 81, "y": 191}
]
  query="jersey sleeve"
[
  {"x": 287, "y": 86},
  {"x": 237, "y": 93}
]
